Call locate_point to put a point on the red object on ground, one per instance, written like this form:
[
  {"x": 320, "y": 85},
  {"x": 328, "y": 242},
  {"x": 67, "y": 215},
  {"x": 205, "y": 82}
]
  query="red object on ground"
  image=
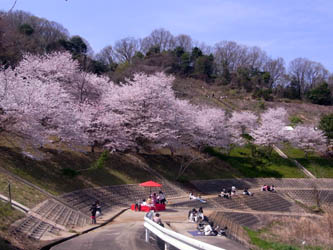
[
  {"x": 157, "y": 207},
  {"x": 150, "y": 184}
]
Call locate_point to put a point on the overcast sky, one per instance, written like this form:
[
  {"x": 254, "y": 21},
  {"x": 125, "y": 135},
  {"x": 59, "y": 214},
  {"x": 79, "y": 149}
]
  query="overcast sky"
[{"x": 286, "y": 28}]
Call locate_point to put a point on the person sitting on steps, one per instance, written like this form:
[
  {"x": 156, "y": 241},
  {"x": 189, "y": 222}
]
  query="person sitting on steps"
[{"x": 247, "y": 192}]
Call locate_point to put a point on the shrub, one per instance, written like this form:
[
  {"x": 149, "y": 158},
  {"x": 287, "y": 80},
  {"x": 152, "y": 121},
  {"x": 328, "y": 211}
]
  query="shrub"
[
  {"x": 69, "y": 172},
  {"x": 326, "y": 124},
  {"x": 295, "y": 120},
  {"x": 261, "y": 105},
  {"x": 100, "y": 163},
  {"x": 320, "y": 95},
  {"x": 263, "y": 93}
]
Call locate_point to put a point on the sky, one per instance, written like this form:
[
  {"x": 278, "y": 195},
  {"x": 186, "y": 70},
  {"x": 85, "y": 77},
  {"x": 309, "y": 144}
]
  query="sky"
[{"x": 283, "y": 28}]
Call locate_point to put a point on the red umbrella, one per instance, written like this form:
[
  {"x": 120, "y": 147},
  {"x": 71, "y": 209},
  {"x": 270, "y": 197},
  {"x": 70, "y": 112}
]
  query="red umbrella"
[{"x": 150, "y": 184}]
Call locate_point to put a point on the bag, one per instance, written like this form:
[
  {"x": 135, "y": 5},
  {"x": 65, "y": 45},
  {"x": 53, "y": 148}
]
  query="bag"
[{"x": 98, "y": 213}]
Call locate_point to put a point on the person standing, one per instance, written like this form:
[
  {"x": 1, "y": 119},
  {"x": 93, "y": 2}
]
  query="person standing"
[
  {"x": 161, "y": 197},
  {"x": 93, "y": 210},
  {"x": 98, "y": 208}
]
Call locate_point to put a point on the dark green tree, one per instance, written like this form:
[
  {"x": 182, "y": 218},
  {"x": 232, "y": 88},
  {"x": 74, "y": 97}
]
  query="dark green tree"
[
  {"x": 203, "y": 67},
  {"x": 326, "y": 124},
  {"x": 196, "y": 53},
  {"x": 293, "y": 91},
  {"x": 225, "y": 78},
  {"x": 320, "y": 95},
  {"x": 153, "y": 50},
  {"x": 185, "y": 64},
  {"x": 26, "y": 29},
  {"x": 77, "y": 45},
  {"x": 179, "y": 51}
]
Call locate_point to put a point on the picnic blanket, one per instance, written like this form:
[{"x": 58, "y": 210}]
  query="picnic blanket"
[{"x": 196, "y": 233}]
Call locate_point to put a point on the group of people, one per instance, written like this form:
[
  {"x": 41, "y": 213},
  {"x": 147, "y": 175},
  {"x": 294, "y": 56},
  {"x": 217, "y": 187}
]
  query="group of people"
[
  {"x": 232, "y": 191},
  {"x": 208, "y": 229},
  {"x": 205, "y": 226},
  {"x": 228, "y": 193},
  {"x": 152, "y": 200},
  {"x": 268, "y": 188},
  {"x": 96, "y": 210},
  {"x": 195, "y": 215}
]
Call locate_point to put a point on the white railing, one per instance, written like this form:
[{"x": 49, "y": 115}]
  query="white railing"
[
  {"x": 175, "y": 239},
  {"x": 15, "y": 204}
]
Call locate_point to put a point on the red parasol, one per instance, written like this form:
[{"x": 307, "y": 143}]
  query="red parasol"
[{"x": 150, "y": 184}]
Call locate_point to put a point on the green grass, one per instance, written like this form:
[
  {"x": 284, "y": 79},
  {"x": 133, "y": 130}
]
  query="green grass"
[
  {"x": 211, "y": 168},
  {"x": 260, "y": 166},
  {"x": 258, "y": 241},
  {"x": 21, "y": 193},
  {"x": 8, "y": 215},
  {"x": 319, "y": 166},
  {"x": 49, "y": 174}
]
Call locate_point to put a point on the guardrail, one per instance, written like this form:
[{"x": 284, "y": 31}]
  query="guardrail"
[
  {"x": 15, "y": 204},
  {"x": 175, "y": 239}
]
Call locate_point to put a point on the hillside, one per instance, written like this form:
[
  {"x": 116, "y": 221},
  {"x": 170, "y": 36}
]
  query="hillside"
[
  {"x": 200, "y": 92},
  {"x": 157, "y": 107}
]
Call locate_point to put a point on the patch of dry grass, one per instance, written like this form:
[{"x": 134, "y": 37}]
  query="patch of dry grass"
[
  {"x": 305, "y": 230},
  {"x": 21, "y": 193}
]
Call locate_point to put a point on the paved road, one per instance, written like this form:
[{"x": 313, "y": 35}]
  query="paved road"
[
  {"x": 127, "y": 232},
  {"x": 129, "y": 236}
]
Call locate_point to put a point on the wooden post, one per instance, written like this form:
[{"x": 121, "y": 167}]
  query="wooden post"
[
  {"x": 147, "y": 235},
  {"x": 166, "y": 246},
  {"x": 10, "y": 195}
]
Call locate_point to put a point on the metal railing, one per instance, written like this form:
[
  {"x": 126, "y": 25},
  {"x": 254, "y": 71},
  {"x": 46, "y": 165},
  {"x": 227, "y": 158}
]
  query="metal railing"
[
  {"x": 172, "y": 238},
  {"x": 15, "y": 204}
]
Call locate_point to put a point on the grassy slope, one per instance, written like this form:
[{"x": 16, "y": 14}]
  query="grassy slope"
[
  {"x": 274, "y": 166},
  {"x": 7, "y": 217},
  {"x": 321, "y": 167},
  {"x": 260, "y": 242},
  {"x": 199, "y": 92}
]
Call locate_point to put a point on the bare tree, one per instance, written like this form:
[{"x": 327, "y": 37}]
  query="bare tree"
[
  {"x": 158, "y": 38},
  {"x": 256, "y": 58},
  {"x": 307, "y": 73},
  {"x": 276, "y": 69},
  {"x": 184, "y": 41},
  {"x": 13, "y": 6},
  {"x": 231, "y": 54},
  {"x": 125, "y": 49},
  {"x": 107, "y": 56}
]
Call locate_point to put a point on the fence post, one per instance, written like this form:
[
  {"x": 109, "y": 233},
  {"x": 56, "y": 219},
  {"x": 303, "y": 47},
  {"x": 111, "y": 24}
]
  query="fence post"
[
  {"x": 166, "y": 246},
  {"x": 147, "y": 235},
  {"x": 10, "y": 195}
]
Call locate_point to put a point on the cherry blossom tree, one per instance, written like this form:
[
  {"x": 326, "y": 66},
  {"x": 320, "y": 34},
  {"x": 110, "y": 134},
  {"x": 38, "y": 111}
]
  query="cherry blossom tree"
[
  {"x": 31, "y": 102},
  {"x": 271, "y": 128},
  {"x": 240, "y": 124},
  {"x": 308, "y": 139},
  {"x": 43, "y": 95},
  {"x": 49, "y": 95}
]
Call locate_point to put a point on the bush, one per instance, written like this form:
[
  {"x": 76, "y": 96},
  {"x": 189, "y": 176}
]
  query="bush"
[
  {"x": 320, "y": 95},
  {"x": 295, "y": 120},
  {"x": 263, "y": 93},
  {"x": 261, "y": 105},
  {"x": 69, "y": 172},
  {"x": 326, "y": 124},
  {"x": 100, "y": 163}
]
